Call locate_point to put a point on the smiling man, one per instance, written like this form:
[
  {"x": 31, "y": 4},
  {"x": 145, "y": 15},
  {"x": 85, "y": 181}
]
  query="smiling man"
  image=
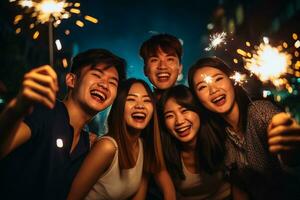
[
  {"x": 42, "y": 141},
  {"x": 162, "y": 61}
]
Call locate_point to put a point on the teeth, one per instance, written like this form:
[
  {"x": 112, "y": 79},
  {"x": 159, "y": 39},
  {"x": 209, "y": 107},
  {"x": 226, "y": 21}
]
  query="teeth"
[
  {"x": 99, "y": 94},
  {"x": 142, "y": 115},
  {"x": 218, "y": 98},
  {"x": 182, "y": 129},
  {"x": 163, "y": 75}
]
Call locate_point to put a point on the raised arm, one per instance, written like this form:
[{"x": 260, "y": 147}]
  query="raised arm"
[
  {"x": 39, "y": 86},
  {"x": 94, "y": 166}
]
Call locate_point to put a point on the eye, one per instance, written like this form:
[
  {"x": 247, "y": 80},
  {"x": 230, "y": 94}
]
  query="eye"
[
  {"x": 184, "y": 110},
  {"x": 113, "y": 83},
  {"x": 130, "y": 99},
  {"x": 96, "y": 75},
  {"x": 148, "y": 100},
  {"x": 201, "y": 87},
  {"x": 153, "y": 60},
  {"x": 168, "y": 116},
  {"x": 219, "y": 78}
]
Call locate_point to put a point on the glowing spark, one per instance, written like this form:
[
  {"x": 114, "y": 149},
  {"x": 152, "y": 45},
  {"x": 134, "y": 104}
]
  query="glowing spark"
[
  {"x": 216, "y": 40},
  {"x": 35, "y": 35},
  {"x": 297, "y": 44},
  {"x": 26, "y": 3},
  {"x": 79, "y": 23},
  {"x": 268, "y": 63},
  {"x": 238, "y": 78},
  {"x": 18, "y": 30},
  {"x": 91, "y": 19},
  {"x": 65, "y": 63},
  {"x": 59, "y": 143},
  {"x": 58, "y": 45},
  {"x": 18, "y": 18},
  {"x": 207, "y": 79}
]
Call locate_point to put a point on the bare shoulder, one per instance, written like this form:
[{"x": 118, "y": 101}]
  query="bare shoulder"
[{"x": 105, "y": 146}]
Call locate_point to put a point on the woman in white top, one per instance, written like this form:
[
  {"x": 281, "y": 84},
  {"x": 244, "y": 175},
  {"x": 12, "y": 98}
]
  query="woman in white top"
[
  {"x": 118, "y": 162},
  {"x": 194, "y": 153}
]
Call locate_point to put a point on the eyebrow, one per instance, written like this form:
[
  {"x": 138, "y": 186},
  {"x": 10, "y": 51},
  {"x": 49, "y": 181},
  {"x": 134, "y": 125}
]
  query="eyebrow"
[
  {"x": 211, "y": 76},
  {"x": 102, "y": 72},
  {"x": 169, "y": 111},
  {"x": 135, "y": 95}
]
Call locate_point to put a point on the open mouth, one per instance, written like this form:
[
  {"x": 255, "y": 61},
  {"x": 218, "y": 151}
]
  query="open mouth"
[
  {"x": 99, "y": 96},
  {"x": 138, "y": 116},
  {"x": 220, "y": 100},
  {"x": 163, "y": 76},
  {"x": 183, "y": 131}
]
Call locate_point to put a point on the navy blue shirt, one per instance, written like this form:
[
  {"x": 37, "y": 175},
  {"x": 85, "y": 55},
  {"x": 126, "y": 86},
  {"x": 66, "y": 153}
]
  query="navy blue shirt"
[{"x": 43, "y": 167}]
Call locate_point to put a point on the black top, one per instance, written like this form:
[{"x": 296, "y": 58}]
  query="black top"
[{"x": 43, "y": 168}]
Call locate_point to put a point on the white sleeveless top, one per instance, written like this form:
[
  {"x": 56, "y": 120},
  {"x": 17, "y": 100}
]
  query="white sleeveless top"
[
  {"x": 202, "y": 186},
  {"x": 116, "y": 184}
]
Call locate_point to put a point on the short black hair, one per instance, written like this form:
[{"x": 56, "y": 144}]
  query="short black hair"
[
  {"x": 93, "y": 57},
  {"x": 166, "y": 42}
]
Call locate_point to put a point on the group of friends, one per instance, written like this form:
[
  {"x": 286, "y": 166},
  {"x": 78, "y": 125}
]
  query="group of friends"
[{"x": 205, "y": 141}]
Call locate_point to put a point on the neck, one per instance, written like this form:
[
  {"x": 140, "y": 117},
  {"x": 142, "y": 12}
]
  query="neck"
[
  {"x": 232, "y": 117},
  {"x": 134, "y": 135},
  {"x": 190, "y": 147},
  {"x": 158, "y": 93},
  {"x": 78, "y": 118}
]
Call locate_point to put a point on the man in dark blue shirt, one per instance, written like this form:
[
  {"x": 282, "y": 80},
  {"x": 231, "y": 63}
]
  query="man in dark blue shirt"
[{"x": 42, "y": 141}]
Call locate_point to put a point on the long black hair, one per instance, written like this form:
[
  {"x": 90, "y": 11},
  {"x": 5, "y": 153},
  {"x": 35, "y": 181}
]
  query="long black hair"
[
  {"x": 210, "y": 147},
  {"x": 153, "y": 158},
  {"x": 241, "y": 96}
]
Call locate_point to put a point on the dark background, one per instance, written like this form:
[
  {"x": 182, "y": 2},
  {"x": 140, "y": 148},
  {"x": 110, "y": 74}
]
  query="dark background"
[{"x": 124, "y": 25}]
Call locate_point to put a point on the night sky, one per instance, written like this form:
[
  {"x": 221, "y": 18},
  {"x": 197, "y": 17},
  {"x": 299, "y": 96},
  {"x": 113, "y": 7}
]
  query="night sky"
[{"x": 124, "y": 25}]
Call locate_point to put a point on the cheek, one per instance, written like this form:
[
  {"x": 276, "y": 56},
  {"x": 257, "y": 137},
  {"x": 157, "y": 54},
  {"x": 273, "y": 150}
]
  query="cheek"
[{"x": 202, "y": 96}]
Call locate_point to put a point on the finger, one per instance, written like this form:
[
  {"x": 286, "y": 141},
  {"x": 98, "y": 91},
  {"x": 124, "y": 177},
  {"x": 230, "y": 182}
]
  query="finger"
[
  {"x": 47, "y": 70},
  {"x": 37, "y": 98},
  {"x": 280, "y": 148},
  {"x": 281, "y": 119},
  {"x": 293, "y": 129},
  {"x": 42, "y": 90},
  {"x": 285, "y": 140},
  {"x": 41, "y": 79}
]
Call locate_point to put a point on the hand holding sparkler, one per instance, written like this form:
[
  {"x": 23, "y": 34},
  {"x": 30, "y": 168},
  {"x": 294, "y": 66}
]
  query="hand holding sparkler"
[
  {"x": 284, "y": 138},
  {"x": 39, "y": 86}
]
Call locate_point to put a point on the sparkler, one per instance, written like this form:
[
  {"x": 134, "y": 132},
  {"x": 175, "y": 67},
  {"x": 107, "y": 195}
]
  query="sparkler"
[
  {"x": 267, "y": 63},
  {"x": 275, "y": 65},
  {"x": 216, "y": 40},
  {"x": 239, "y": 79},
  {"x": 51, "y": 12}
]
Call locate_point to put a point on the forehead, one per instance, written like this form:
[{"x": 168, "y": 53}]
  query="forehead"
[
  {"x": 171, "y": 104},
  {"x": 164, "y": 52},
  {"x": 208, "y": 71},
  {"x": 138, "y": 88},
  {"x": 108, "y": 70}
]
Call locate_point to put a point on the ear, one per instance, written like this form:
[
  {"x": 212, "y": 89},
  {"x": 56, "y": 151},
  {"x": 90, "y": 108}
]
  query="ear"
[
  {"x": 180, "y": 69},
  {"x": 146, "y": 70},
  {"x": 70, "y": 80}
]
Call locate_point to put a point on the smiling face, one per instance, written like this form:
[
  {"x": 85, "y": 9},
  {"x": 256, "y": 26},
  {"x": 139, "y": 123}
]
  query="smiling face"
[
  {"x": 95, "y": 88},
  {"x": 138, "y": 107},
  {"x": 214, "y": 89},
  {"x": 182, "y": 123},
  {"x": 163, "y": 69}
]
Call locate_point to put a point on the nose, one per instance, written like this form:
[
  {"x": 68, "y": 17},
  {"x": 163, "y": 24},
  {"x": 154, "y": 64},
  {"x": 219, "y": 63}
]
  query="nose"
[
  {"x": 162, "y": 64},
  {"x": 212, "y": 88},
  {"x": 179, "y": 119},
  {"x": 103, "y": 85},
  {"x": 139, "y": 105}
]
